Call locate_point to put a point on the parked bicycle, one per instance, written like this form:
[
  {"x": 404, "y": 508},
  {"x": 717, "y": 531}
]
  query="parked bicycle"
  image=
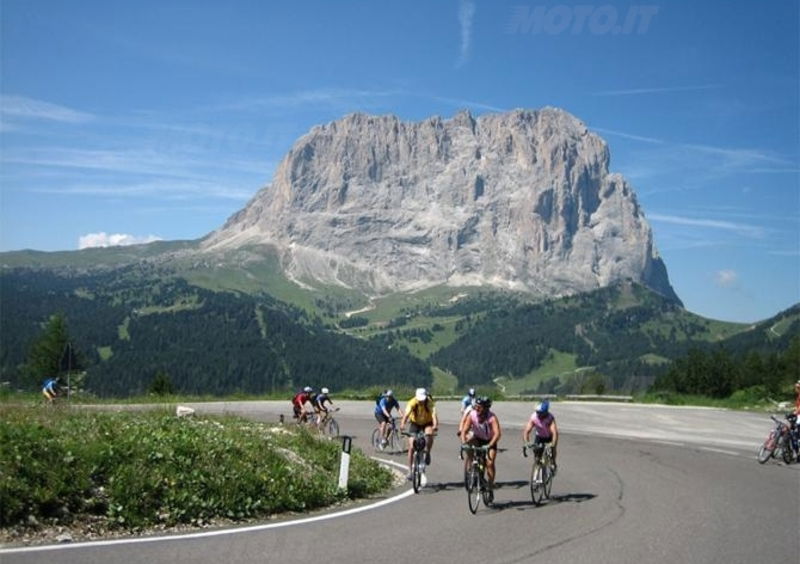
[
  {"x": 542, "y": 471},
  {"x": 475, "y": 478},
  {"x": 417, "y": 458},
  {"x": 782, "y": 441},
  {"x": 394, "y": 442}
]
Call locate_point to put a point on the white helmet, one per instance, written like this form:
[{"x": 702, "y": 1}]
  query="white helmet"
[
  {"x": 325, "y": 390},
  {"x": 308, "y": 389}
]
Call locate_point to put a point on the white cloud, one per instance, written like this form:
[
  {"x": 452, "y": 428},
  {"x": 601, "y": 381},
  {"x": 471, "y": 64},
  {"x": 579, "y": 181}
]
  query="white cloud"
[
  {"x": 466, "y": 11},
  {"x": 103, "y": 239},
  {"x": 638, "y": 91},
  {"x": 726, "y": 278},
  {"x": 743, "y": 229},
  {"x": 22, "y": 107}
]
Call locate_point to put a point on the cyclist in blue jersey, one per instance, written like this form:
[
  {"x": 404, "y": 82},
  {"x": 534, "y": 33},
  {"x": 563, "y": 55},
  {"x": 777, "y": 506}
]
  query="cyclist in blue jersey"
[
  {"x": 468, "y": 401},
  {"x": 383, "y": 413},
  {"x": 50, "y": 389}
]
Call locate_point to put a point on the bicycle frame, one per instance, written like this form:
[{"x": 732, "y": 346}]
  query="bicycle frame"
[
  {"x": 541, "y": 471},
  {"x": 418, "y": 447},
  {"x": 475, "y": 479}
]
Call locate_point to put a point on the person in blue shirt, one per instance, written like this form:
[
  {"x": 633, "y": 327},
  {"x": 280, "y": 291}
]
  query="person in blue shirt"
[
  {"x": 383, "y": 413},
  {"x": 468, "y": 401},
  {"x": 50, "y": 389}
]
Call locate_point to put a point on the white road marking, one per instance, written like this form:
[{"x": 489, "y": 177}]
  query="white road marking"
[{"x": 220, "y": 532}]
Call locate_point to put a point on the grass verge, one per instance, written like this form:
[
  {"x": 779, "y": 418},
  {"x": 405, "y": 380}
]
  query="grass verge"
[{"x": 139, "y": 470}]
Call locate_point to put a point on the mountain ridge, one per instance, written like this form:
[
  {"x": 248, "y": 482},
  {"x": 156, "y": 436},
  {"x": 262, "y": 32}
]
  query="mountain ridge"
[{"x": 522, "y": 200}]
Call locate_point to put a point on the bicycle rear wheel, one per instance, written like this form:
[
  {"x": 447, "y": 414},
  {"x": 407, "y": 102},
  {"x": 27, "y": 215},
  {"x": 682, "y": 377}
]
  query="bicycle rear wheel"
[
  {"x": 766, "y": 450},
  {"x": 473, "y": 490},
  {"x": 416, "y": 472},
  {"x": 537, "y": 488}
]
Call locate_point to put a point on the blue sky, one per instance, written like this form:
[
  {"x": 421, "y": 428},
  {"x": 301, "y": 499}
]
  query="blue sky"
[{"x": 129, "y": 121}]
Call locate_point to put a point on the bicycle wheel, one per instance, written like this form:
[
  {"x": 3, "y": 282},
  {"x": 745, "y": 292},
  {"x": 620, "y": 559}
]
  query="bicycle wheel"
[
  {"x": 473, "y": 490},
  {"x": 333, "y": 428},
  {"x": 416, "y": 472},
  {"x": 486, "y": 493},
  {"x": 376, "y": 438},
  {"x": 396, "y": 442},
  {"x": 547, "y": 480},
  {"x": 537, "y": 489},
  {"x": 766, "y": 450}
]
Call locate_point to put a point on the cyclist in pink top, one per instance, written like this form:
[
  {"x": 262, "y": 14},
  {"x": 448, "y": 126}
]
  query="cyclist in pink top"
[
  {"x": 480, "y": 427},
  {"x": 544, "y": 424}
]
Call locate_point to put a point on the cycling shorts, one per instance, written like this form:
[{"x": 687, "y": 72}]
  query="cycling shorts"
[
  {"x": 481, "y": 442},
  {"x": 415, "y": 428},
  {"x": 382, "y": 418}
]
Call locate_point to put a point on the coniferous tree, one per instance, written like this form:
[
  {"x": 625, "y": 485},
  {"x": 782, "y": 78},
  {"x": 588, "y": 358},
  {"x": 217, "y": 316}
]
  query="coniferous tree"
[{"x": 52, "y": 354}]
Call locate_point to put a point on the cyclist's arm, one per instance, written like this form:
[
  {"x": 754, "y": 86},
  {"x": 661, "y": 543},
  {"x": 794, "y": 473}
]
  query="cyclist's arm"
[
  {"x": 554, "y": 432},
  {"x": 435, "y": 419},
  {"x": 463, "y": 426},
  {"x": 526, "y": 432},
  {"x": 496, "y": 432}
]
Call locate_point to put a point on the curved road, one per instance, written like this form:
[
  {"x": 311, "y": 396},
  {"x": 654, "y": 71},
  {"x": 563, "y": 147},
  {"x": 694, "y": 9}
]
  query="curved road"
[{"x": 635, "y": 484}]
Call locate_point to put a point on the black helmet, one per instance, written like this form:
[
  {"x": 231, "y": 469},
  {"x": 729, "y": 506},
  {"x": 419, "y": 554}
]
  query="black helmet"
[{"x": 484, "y": 401}]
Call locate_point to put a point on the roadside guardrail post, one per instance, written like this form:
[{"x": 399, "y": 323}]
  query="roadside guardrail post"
[{"x": 344, "y": 464}]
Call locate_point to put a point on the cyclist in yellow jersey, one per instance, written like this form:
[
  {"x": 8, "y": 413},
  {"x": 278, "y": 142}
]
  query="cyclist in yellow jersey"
[{"x": 420, "y": 414}]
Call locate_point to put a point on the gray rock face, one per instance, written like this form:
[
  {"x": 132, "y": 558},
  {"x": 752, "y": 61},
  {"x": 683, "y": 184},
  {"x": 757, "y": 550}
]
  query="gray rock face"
[{"x": 521, "y": 200}]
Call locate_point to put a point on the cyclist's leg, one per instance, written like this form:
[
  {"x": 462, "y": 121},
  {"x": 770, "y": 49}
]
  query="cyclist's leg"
[
  {"x": 490, "y": 465},
  {"x": 428, "y": 443}
]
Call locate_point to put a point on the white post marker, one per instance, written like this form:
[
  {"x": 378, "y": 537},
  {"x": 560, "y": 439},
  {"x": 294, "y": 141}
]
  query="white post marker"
[{"x": 344, "y": 464}]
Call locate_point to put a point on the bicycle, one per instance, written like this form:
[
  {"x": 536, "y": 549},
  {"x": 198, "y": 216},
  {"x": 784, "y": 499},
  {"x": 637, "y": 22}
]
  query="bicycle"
[
  {"x": 328, "y": 424},
  {"x": 393, "y": 440},
  {"x": 542, "y": 471},
  {"x": 475, "y": 478},
  {"x": 417, "y": 458},
  {"x": 779, "y": 442}
]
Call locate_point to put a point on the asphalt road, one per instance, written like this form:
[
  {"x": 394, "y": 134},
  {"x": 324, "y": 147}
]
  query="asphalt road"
[{"x": 635, "y": 484}]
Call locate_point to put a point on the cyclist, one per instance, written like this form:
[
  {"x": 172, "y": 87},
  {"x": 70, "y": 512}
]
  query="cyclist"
[
  {"x": 299, "y": 401},
  {"x": 421, "y": 415},
  {"x": 468, "y": 400},
  {"x": 50, "y": 389},
  {"x": 544, "y": 424},
  {"x": 480, "y": 427},
  {"x": 797, "y": 398},
  {"x": 318, "y": 403},
  {"x": 383, "y": 413}
]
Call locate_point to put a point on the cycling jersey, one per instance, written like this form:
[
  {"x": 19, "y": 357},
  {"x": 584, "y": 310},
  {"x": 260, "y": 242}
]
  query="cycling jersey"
[
  {"x": 50, "y": 385},
  {"x": 319, "y": 401},
  {"x": 387, "y": 403},
  {"x": 466, "y": 402},
  {"x": 481, "y": 429},
  {"x": 420, "y": 412},
  {"x": 541, "y": 426}
]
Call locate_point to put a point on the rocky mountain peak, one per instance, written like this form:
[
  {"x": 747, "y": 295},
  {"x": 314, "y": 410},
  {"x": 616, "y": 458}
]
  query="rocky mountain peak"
[{"x": 521, "y": 200}]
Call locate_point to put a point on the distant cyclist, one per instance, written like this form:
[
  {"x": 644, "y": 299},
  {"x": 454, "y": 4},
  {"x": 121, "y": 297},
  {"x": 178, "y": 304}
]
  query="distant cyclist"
[
  {"x": 421, "y": 415},
  {"x": 480, "y": 427},
  {"x": 299, "y": 401},
  {"x": 543, "y": 423},
  {"x": 50, "y": 389},
  {"x": 383, "y": 413},
  {"x": 468, "y": 401},
  {"x": 318, "y": 402}
]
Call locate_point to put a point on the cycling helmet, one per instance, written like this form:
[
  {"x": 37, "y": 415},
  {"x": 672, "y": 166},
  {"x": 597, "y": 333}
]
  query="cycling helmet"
[
  {"x": 471, "y": 392},
  {"x": 484, "y": 401},
  {"x": 308, "y": 389},
  {"x": 543, "y": 407},
  {"x": 389, "y": 393},
  {"x": 325, "y": 390},
  {"x": 421, "y": 394}
]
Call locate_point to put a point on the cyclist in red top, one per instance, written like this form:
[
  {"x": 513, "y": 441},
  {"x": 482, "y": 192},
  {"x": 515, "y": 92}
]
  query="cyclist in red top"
[
  {"x": 797, "y": 398},
  {"x": 299, "y": 400}
]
